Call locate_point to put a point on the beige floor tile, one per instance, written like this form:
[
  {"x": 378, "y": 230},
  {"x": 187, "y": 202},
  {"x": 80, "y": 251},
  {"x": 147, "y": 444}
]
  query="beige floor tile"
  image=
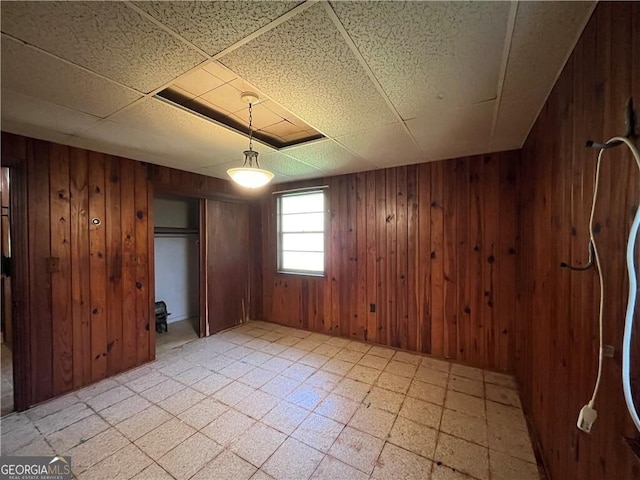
[
  {"x": 233, "y": 393},
  {"x": 356, "y": 448},
  {"x": 516, "y": 443},
  {"x": 280, "y": 386},
  {"x": 288, "y": 340},
  {"x": 501, "y": 379},
  {"x": 467, "y": 372},
  {"x": 109, "y": 398},
  {"x": 125, "y": 409},
  {"x": 319, "y": 337},
  {"x": 91, "y": 391},
  {"x": 125, "y": 463},
  {"x": 257, "y": 377},
  {"x": 51, "y": 407},
  {"x": 357, "y": 346},
  {"x": 465, "y": 385},
  {"x": 38, "y": 447},
  {"x": 227, "y": 427},
  {"x": 406, "y": 357},
  {"x": 427, "y": 392},
  {"x": 333, "y": 469},
  {"x": 63, "y": 418},
  {"x": 385, "y": 399},
  {"x": 299, "y": 372},
  {"x": 258, "y": 359},
  {"x": 77, "y": 433},
  {"x": 158, "y": 393},
  {"x": 382, "y": 352},
  {"x": 373, "y": 361},
  {"x": 393, "y": 382},
  {"x": 13, "y": 421},
  {"x": 258, "y": 404},
  {"x": 272, "y": 336},
  {"x": 338, "y": 408},
  {"x": 211, "y": 384},
  {"x": 258, "y": 443},
  {"x": 203, "y": 413},
  {"x": 340, "y": 342},
  {"x": 395, "y": 463},
  {"x": 432, "y": 376},
  {"x": 327, "y": 350},
  {"x": 325, "y": 380},
  {"x": 190, "y": 456},
  {"x": 401, "y": 368},
  {"x": 96, "y": 449},
  {"x": 300, "y": 333},
  {"x": 238, "y": 353},
  {"x": 464, "y": 426},
  {"x": 226, "y": 466},
  {"x": 142, "y": 423},
  {"x": 421, "y": 412},
  {"x": 308, "y": 345},
  {"x": 349, "y": 356},
  {"x": 175, "y": 367},
  {"x": 153, "y": 472},
  {"x": 339, "y": 367},
  {"x": 500, "y": 414},
  {"x": 436, "y": 364},
  {"x": 352, "y": 389},
  {"x": 461, "y": 402},
  {"x": 277, "y": 364},
  {"x": 506, "y": 467},
  {"x": 237, "y": 370},
  {"x": 363, "y": 374},
  {"x": 293, "y": 460},
  {"x": 285, "y": 417},
  {"x": 164, "y": 438},
  {"x": 260, "y": 475},
  {"x": 292, "y": 353},
  {"x": 414, "y": 437},
  {"x": 307, "y": 396},
  {"x": 464, "y": 456},
  {"x": 373, "y": 421},
  {"x": 19, "y": 438},
  {"x": 181, "y": 401},
  {"x": 505, "y": 395},
  {"x": 314, "y": 360},
  {"x": 443, "y": 472},
  {"x": 147, "y": 381},
  {"x": 193, "y": 375},
  {"x": 318, "y": 432}
]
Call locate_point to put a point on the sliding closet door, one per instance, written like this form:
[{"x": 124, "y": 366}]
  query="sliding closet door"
[{"x": 227, "y": 264}]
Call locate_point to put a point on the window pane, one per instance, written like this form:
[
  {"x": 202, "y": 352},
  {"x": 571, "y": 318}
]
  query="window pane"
[
  {"x": 305, "y": 242},
  {"x": 303, "y": 261},
  {"x": 310, "y": 202},
  {"x": 303, "y": 222}
]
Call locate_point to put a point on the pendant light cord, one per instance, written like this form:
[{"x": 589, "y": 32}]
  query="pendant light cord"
[{"x": 250, "y": 127}]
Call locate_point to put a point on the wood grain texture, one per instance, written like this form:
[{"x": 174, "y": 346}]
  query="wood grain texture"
[
  {"x": 556, "y": 346},
  {"x": 401, "y": 239}
]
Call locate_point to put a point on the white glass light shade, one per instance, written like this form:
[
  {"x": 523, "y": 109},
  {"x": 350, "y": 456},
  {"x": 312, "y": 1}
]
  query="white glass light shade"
[{"x": 250, "y": 177}]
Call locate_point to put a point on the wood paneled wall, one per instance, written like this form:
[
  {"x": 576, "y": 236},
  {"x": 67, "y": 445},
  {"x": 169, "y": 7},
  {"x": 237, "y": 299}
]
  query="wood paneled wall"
[
  {"x": 557, "y": 316},
  {"x": 432, "y": 246}
]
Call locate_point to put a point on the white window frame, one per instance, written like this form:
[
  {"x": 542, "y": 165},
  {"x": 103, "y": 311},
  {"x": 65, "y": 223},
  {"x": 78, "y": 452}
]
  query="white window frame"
[{"x": 279, "y": 243}]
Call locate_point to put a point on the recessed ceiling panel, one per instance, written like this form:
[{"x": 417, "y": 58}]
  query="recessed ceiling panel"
[
  {"x": 543, "y": 36},
  {"x": 384, "y": 146},
  {"x": 28, "y": 71},
  {"x": 423, "y": 51},
  {"x": 305, "y": 65},
  {"x": 43, "y": 116},
  {"x": 329, "y": 157},
  {"x": 214, "y": 26},
  {"x": 450, "y": 132},
  {"x": 106, "y": 37}
]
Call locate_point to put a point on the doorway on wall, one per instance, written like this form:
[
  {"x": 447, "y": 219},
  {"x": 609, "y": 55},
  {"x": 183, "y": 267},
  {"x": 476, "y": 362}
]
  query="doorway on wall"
[
  {"x": 177, "y": 270},
  {"x": 6, "y": 322}
]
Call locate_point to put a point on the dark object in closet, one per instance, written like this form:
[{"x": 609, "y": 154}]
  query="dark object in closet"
[{"x": 161, "y": 317}]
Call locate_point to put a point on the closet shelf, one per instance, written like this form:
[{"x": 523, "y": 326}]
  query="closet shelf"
[{"x": 173, "y": 231}]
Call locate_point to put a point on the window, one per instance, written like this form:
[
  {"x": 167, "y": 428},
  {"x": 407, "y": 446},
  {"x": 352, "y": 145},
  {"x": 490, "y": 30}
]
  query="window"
[{"x": 301, "y": 225}]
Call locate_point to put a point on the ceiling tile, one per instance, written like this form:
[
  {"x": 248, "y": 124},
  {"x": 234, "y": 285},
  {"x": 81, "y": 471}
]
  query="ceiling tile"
[
  {"x": 284, "y": 165},
  {"x": 18, "y": 109},
  {"x": 28, "y": 71},
  {"x": 384, "y": 146},
  {"x": 449, "y": 132},
  {"x": 226, "y": 97},
  {"x": 328, "y": 156},
  {"x": 423, "y": 51},
  {"x": 198, "y": 82},
  {"x": 262, "y": 116},
  {"x": 283, "y": 129},
  {"x": 305, "y": 65},
  {"x": 543, "y": 35},
  {"x": 106, "y": 37},
  {"x": 220, "y": 71},
  {"x": 214, "y": 26}
]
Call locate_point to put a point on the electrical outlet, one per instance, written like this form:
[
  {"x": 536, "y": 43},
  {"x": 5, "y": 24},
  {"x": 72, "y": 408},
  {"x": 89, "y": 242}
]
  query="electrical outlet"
[
  {"x": 608, "y": 350},
  {"x": 372, "y": 307}
]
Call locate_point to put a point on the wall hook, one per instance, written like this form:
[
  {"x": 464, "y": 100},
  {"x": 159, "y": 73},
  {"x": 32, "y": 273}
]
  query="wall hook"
[{"x": 581, "y": 268}]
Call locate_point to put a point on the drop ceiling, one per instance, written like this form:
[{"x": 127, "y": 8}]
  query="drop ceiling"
[{"x": 386, "y": 83}]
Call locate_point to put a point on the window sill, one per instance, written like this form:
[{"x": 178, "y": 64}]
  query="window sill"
[{"x": 301, "y": 274}]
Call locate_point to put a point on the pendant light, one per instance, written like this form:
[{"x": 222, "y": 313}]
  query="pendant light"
[{"x": 250, "y": 175}]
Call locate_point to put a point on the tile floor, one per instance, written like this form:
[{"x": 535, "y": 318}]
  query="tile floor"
[
  {"x": 177, "y": 334},
  {"x": 264, "y": 401},
  {"x": 6, "y": 378}
]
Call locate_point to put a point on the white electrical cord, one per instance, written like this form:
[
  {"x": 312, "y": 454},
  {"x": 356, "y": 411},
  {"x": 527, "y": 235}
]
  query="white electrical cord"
[{"x": 588, "y": 414}]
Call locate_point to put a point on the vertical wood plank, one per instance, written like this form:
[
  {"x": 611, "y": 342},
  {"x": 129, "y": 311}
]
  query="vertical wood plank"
[
  {"x": 128, "y": 231},
  {"x": 361, "y": 256},
  {"x": 413, "y": 259},
  {"x": 145, "y": 326},
  {"x": 449, "y": 265},
  {"x": 372, "y": 253},
  {"x": 399, "y": 337},
  {"x": 391, "y": 223},
  {"x": 464, "y": 326},
  {"x": 437, "y": 260},
  {"x": 424, "y": 265}
]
